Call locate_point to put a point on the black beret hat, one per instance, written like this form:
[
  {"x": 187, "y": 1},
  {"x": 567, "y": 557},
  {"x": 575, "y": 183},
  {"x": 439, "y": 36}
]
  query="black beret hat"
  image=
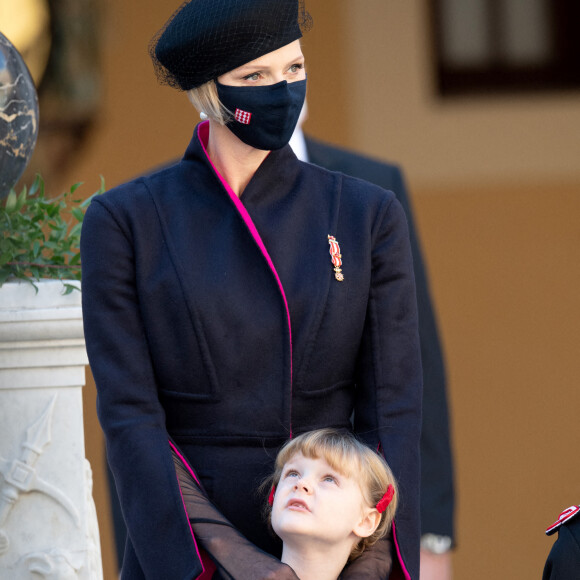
[{"x": 207, "y": 38}]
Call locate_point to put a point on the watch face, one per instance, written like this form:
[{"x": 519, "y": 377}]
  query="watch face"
[
  {"x": 435, "y": 543},
  {"x": 26, "y": 23}
]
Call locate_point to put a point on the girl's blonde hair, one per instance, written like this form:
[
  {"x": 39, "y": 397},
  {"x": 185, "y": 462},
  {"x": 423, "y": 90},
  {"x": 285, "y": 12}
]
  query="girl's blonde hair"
[
  {"x": 347, "y": 455},
  {"x": 205, "y": 99}
]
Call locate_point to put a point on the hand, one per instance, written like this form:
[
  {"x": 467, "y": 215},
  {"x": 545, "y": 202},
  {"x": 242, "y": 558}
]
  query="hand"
[
  {"x": 282, "y": 572},
  {"x": 278, "y": 571},
  {"x": 436, "y": 566},
  {"x": 374, "y": 564}
]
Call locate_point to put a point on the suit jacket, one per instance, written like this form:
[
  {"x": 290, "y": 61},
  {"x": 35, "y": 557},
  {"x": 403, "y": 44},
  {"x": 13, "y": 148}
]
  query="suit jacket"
[
  {"x": 218, "y": 322},
  {"x": 563, "y": 561},
  {"x": 437, "y": 488}
]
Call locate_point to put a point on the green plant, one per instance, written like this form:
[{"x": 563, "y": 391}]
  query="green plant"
[{"x": 40, "y": 236}]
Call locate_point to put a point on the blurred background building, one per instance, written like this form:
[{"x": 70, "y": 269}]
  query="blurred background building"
[{"x": 479, "y": 101}]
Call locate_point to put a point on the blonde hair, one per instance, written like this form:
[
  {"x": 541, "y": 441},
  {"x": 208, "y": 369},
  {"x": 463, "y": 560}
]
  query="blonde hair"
[
  {"x": 205, "y": 99},
  {"x": 347, "y": 455}
]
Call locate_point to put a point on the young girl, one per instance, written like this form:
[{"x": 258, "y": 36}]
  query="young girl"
[{"x": 331, "y": 499}]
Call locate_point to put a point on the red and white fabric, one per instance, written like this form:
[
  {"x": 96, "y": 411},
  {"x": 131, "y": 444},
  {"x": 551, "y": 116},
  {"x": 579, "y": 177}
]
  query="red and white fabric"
[
  {"x": 243, "y": 117},
  {"x": 565, "y": 516}
]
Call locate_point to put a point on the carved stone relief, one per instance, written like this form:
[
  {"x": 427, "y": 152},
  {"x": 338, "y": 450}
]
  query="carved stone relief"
[{"x": 48, "y": 526}]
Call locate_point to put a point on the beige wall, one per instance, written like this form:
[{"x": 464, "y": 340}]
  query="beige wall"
[
  {"x": 505, "y": 279},
  {"x": 496, "y": 188}
]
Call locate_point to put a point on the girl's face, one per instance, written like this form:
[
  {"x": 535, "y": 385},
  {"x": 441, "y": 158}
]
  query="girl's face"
[
  {"x": 284, "y": 64},
  {"x": 317, "y": 503}
]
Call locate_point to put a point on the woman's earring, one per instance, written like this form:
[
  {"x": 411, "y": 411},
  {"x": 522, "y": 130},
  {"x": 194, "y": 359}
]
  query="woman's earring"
[{"x": 203, "y": 116}]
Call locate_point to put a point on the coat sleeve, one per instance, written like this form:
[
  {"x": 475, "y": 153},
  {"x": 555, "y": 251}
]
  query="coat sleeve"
[
  {"x": 389, "y": 381},
  {"x": 234, "y": 557},
  {"x": 127, "y": 403}
]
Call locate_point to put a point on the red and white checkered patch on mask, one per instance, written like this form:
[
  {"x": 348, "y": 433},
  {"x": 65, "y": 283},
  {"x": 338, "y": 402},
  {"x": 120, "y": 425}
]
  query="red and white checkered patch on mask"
[{"x": 243, "y": 117}]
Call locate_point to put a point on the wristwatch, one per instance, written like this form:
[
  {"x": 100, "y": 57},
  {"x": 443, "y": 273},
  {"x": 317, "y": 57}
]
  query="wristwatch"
[{"x": 436, "y": 544}]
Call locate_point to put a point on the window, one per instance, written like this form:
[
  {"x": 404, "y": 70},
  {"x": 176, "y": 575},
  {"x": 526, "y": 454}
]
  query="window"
[{"x": 494, "y": 46}]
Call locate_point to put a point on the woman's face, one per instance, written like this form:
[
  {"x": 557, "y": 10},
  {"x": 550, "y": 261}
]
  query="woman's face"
[{"x": 284, "y": 64}]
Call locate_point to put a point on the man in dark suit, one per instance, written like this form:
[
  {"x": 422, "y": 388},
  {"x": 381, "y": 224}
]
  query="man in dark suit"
[{"x": 437, "y": 489}]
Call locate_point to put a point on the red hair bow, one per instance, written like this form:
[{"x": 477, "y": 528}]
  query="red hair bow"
[
  {"x": 271, "y": 496},
  {"x": 386, "y": 499}
]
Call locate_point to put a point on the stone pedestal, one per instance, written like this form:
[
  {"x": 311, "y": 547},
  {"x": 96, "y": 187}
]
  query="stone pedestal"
[{"x": 48, "y": 524}]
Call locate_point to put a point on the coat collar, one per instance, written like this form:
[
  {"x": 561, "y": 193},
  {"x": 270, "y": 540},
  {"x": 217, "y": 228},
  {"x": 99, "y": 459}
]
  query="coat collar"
[{"x": 274, "y": 179}]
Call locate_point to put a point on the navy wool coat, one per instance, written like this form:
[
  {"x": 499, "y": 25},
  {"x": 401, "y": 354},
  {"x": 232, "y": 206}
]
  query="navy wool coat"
[
  {"x": 218, "y": 322},
  {"x": 437, "y": 478}
]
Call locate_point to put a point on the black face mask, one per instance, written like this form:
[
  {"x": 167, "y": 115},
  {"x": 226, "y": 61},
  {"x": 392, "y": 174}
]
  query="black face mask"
[{"x": 265, "y": 116}]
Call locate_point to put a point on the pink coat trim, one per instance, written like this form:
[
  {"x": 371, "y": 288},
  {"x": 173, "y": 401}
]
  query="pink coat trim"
[{"x": 399, "y": 555}]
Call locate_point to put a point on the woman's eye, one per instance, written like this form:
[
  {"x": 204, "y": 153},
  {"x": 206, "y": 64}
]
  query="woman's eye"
[
  {"x": 252, "y": 77},
  {"x": 296, "y": 67}
]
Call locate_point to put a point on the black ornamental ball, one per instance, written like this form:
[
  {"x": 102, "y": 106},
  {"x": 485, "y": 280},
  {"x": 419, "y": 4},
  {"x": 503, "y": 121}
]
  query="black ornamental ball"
[{"x": 18, "y": 116}]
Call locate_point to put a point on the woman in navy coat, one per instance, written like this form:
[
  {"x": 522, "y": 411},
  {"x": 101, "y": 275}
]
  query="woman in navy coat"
[{"x": 241, "y": 297}]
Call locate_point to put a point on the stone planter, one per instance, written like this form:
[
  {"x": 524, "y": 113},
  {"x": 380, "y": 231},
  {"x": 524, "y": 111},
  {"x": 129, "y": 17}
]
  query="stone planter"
[{"x": 48, "y": 524}]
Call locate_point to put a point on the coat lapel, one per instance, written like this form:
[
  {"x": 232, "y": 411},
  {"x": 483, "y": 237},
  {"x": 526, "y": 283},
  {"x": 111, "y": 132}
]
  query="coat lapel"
[
  {"x": 295, "y": 207},
  {"x": 244, "y": 266}
]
